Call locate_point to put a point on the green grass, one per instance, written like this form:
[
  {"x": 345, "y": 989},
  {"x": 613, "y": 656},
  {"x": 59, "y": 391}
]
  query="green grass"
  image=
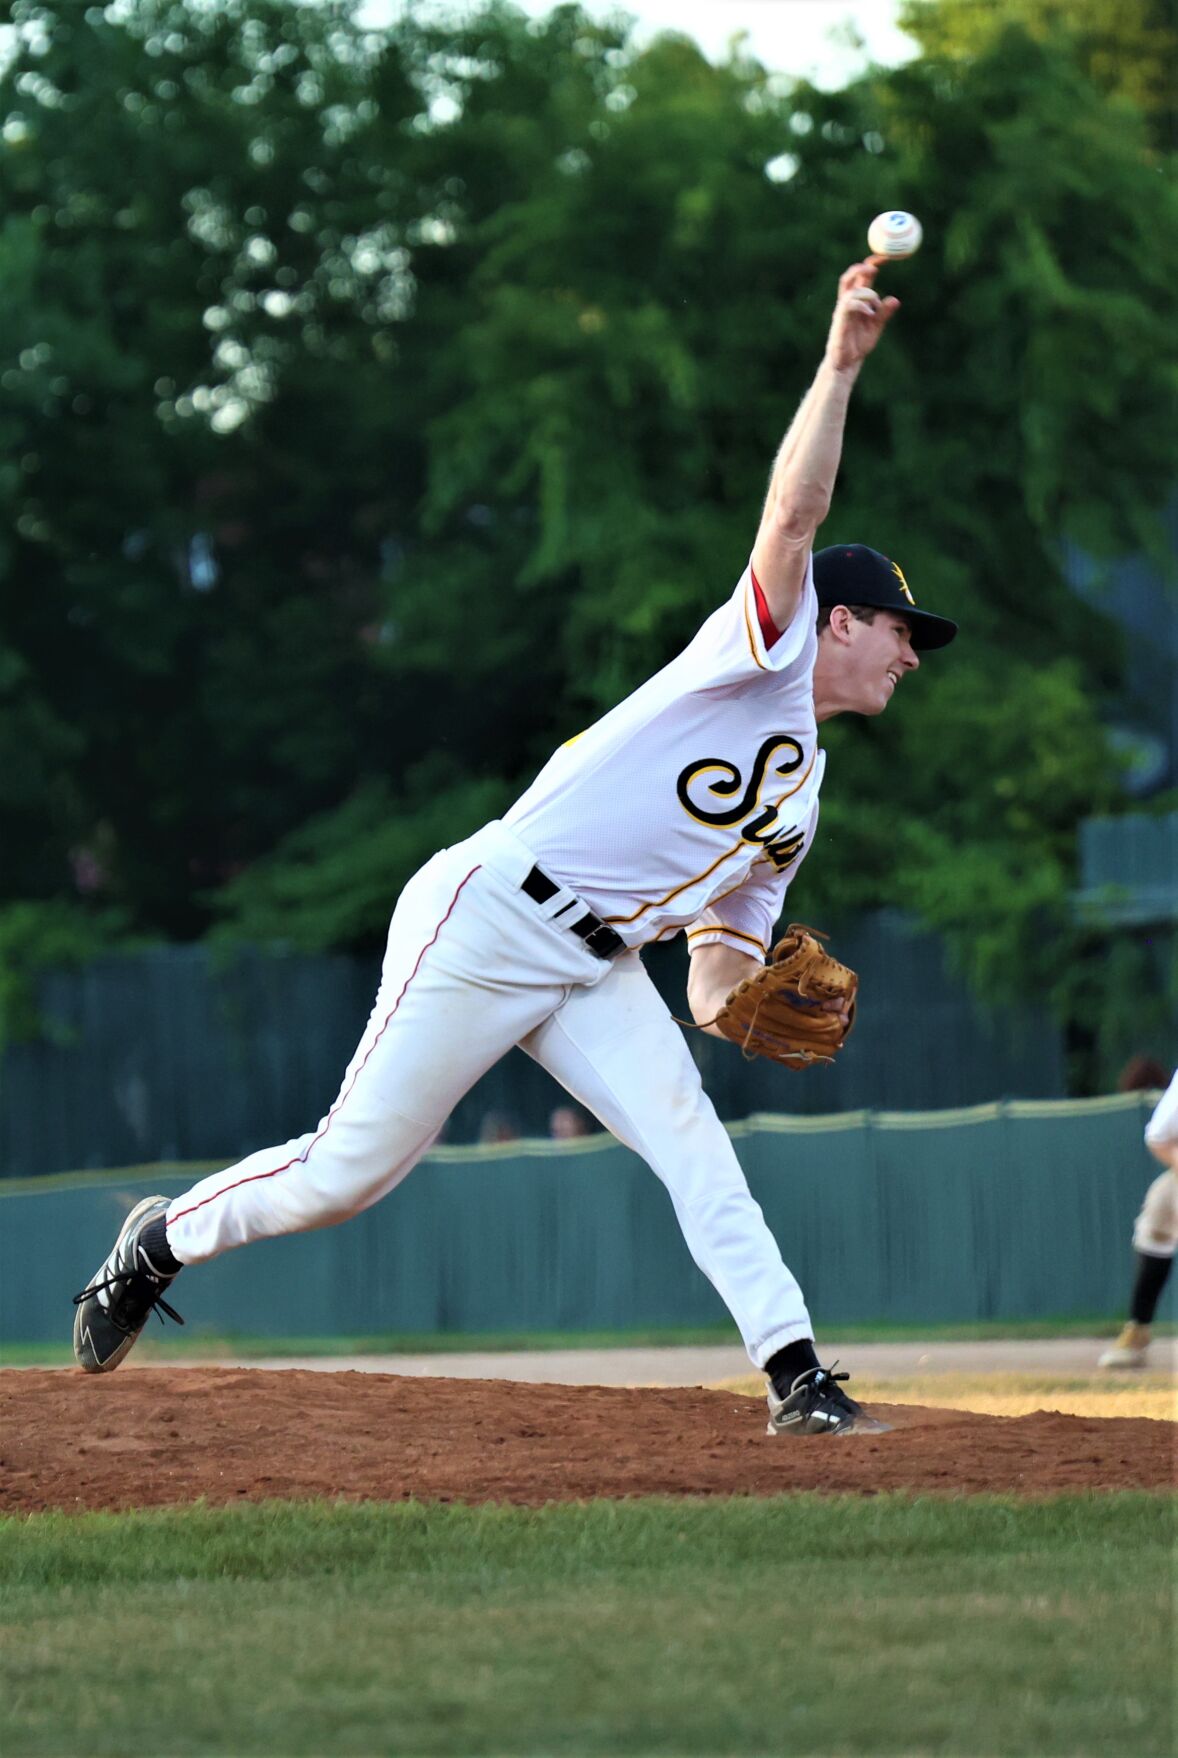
[
  {"x": 194, "y": 1344},
  {"x": 801, "y": 1624}
]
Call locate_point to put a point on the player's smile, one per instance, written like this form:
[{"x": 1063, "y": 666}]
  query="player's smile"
[
  {"x": 880, "y": 653},
  {"x": 899, "y": 632},
  {"x": 530, "y": 930},
  {"x": 860, "y": 661}
]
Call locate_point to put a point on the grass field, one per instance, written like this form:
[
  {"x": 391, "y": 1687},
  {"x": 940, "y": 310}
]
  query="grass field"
[
  {"x": 803, "y": 1625},
  {"x": 194, "y": 1343}
]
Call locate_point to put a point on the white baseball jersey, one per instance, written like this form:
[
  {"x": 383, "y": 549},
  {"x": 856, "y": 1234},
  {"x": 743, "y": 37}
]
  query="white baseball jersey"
[
  {"x": 693, "y": 802},
  {"x": 1162, "y": 1129}
]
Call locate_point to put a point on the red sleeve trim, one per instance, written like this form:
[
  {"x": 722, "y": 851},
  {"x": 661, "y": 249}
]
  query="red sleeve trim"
[{"x": 770, "y": 633}]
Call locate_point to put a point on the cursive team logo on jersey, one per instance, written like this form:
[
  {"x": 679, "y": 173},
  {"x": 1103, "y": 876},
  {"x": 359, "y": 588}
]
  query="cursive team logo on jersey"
[
  {"x": 713, "y": 791},
  {"x": 783, "y": 851}
]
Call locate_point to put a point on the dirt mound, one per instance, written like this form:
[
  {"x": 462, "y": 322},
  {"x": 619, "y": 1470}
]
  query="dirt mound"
[{"x": 162, "y": 1436}]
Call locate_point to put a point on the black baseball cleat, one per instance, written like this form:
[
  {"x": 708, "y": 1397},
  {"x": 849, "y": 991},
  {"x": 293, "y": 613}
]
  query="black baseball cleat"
[
  {"x": 122, "y": 1295},
  {"x": 815, "y": 1404}
]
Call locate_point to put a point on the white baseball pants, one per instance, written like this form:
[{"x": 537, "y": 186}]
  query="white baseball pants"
[
  {"x": 472, "y": 967},
  {"x": 1155, "y": 1232}
]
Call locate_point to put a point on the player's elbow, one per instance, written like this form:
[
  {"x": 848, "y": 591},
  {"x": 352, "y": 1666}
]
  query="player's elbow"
[{"x": 798, "y": 513}]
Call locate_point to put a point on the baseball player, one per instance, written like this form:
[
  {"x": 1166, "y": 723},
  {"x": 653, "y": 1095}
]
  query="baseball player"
[
  {"x": 688, "y": 807},
  {"x": 1155, "y": 1236}
]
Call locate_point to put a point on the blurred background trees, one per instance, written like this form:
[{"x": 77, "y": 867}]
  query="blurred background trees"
[
  {"x": 1129, "y": 50},
  {"x": 378, "y": 407}
]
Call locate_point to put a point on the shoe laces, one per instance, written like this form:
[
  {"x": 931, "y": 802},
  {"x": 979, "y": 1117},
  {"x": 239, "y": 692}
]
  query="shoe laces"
[
  {"x": 143, "y": 1294},
  {"x": 826, "y": 1376},
  {"x": 825, "y": 1384}
]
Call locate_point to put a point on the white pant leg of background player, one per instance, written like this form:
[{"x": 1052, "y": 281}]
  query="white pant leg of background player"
[
  {"x": 1162, "y": 1129},
  {"x": 617, "y": 1050},
  {"x": 470, "y": 967},
  {"x": 1156, "y": 1230}
]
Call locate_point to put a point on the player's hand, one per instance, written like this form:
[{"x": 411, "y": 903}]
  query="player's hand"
[
  {"x": 860, "y": 315},
  {"x": 840, "y": 1007}
]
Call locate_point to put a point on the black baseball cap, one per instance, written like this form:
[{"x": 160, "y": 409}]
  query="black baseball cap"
[{"x": 850, "y": 573}]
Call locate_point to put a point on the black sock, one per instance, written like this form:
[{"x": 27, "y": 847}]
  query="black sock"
[
  {"x": 153, "y": 1243},
  {"x": 784, "y": 1367},
  {"x": 1152, "y": 1275}
]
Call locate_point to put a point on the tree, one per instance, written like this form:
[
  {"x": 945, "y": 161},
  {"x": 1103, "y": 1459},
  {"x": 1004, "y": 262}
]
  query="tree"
[
  {"x": 381, "y": 406},
  {"x": 1129, "y": 50},
  {"x": 202, "y": 269},
  {"x": 648, "y": 318}
]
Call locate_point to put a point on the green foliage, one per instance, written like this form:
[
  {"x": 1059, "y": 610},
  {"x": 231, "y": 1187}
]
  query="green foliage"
[
  {"x": 1120, "y": 995},
  {"x": 334, "y": 877},
  {"x": 202, "y": 265},
  {"x": 1130, "y": 49},
  {"x": 40, "y": 936},
  {"x": 995, "y": 762},
  {"x": 376, "y": 407}
]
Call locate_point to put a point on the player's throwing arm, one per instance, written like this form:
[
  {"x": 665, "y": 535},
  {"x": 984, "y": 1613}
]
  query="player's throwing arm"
[{"x": 687, "y": 808}]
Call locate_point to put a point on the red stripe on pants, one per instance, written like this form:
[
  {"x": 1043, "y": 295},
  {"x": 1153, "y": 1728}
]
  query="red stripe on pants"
[{"x": 302, "y": 1158}]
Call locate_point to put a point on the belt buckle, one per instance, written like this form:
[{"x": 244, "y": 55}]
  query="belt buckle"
[{"x": 610, "y": 943}]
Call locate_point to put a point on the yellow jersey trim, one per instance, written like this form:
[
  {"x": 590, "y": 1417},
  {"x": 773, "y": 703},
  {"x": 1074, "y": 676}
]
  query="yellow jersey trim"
[
  {"x": 658, "y": 902},
  {"x": 721, "y": 928},
  {"x": 748, "y": 627}
]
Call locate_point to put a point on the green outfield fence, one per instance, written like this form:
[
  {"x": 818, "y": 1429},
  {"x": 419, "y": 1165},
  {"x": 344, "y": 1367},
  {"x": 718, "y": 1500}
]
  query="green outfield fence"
[
  {"x": 171, "y": 1053},
  {"x": 1008, "y": 1211}
]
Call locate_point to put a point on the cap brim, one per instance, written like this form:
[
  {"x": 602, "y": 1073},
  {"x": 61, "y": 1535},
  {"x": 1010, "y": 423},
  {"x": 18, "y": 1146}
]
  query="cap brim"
[{"x": 928, "y": 631}]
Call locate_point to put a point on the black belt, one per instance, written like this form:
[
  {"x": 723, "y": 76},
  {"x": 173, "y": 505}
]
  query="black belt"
[{"x": 590, "y": 928}]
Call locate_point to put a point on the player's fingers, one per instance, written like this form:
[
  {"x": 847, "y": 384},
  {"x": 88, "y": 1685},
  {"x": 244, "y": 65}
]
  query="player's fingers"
[{"x": 860, "y": 274}]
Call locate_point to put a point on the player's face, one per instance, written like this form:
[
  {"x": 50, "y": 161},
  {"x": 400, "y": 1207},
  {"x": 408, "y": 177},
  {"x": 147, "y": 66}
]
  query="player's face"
[{"x": 876, "y": 659}]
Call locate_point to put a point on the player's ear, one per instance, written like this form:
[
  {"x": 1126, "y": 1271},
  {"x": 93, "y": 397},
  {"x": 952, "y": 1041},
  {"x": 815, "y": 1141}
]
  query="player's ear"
[{"x": 840, "y": 622}]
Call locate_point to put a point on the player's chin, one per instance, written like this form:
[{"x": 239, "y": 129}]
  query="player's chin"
[{"x": 877, "y": 702}]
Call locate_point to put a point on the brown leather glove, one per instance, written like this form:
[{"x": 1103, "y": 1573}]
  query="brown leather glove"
[{"x": 780, "y": 1012}]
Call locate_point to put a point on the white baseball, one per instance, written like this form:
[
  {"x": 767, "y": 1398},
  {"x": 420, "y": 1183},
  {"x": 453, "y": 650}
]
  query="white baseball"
[{"x": 894, "y": 234}]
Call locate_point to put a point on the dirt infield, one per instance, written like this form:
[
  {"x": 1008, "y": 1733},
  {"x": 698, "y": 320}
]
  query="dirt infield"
[{"x": 163, "y": 1436}]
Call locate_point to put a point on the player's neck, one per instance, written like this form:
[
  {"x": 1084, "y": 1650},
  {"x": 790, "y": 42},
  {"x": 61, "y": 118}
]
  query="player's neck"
[{"x": 827, "y": 699}]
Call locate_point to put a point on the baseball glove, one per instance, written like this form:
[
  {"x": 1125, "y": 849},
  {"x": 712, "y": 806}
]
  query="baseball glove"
[{"x": 779, "y": 1012}]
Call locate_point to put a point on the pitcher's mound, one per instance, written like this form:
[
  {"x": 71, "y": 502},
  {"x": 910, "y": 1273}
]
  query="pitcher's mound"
[{"x": 157, "y": 1436}]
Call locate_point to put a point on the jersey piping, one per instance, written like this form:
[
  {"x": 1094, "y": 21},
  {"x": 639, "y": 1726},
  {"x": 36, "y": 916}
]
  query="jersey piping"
[
  {"x": 760, "y": 663},
  {"x": 274, "y": 1171},
  {"x": 706, "y": 774},
  {"x": 723, "y": 928},
  {"x": 657, "y": 903}
]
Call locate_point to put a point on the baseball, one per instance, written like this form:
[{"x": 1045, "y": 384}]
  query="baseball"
[{"x": 894, "y": 234}]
